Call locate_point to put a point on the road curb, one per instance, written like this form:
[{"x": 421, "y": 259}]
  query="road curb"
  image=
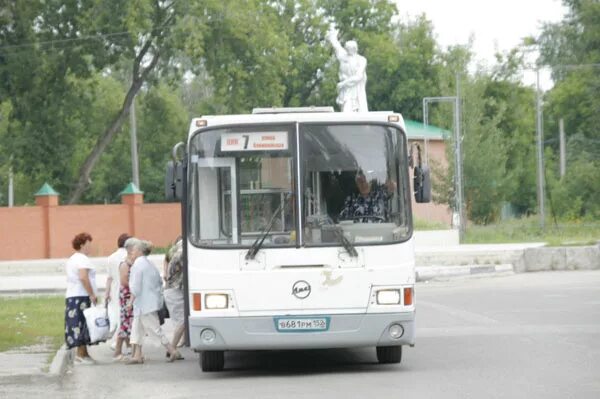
[
  {"x": 61, "y": 361},
  {"x": 425, "y": 273}
]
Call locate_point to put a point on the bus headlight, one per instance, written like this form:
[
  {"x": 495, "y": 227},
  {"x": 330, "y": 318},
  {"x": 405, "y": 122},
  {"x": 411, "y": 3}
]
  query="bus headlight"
[
  {"x": 388, "y": 297},
  {"x": 216, "y": 301},
  {"x": 208, "y": 336},
  {"x": 396, "y": 331}
]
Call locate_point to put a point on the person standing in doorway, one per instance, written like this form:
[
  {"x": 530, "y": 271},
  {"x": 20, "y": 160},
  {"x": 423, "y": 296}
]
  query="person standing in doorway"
[
  {"x": 173, "y": 275},
  {"x": 81, "y": 294}
]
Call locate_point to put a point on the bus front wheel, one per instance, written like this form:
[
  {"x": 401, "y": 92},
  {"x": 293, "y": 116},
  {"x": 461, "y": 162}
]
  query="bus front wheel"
[
  {"x": 212, "y": 360},
  {"x": 389, "y": 354}
]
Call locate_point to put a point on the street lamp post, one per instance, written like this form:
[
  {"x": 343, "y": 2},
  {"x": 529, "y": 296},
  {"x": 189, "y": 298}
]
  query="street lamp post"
[{"x": 455, "y": 100}]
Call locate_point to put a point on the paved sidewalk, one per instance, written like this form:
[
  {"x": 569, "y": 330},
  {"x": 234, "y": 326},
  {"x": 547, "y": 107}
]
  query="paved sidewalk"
[{"x": 40, "y": 284}]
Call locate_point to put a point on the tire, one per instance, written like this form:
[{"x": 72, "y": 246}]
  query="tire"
[
  {"x": 389, "y": 354},
  {"x": 212, "y": 360}
]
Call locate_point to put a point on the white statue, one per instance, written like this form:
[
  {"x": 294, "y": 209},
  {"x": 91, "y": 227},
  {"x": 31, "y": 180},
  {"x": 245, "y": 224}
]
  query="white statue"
[{"x": 352, "y": 95}]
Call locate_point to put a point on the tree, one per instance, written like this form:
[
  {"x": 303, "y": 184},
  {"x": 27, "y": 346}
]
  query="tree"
[
  {"x": 572, "y": 49},
  {"x": 163, "y": 122},
  {"x": 412, "y": 71},
  {"x": 308, "y": 68},
  {"x": 516, "y": 104},
  {"x": 38, "y": 66},
  {"x": 245, "y": 55},
  {"x": 155, "y": 32}
]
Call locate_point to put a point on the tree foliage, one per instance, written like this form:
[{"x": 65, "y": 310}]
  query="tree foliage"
[{"x": 571, "y": 48}]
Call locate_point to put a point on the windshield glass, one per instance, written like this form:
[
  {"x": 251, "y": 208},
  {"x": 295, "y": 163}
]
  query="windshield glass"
[
  {"x": 355, "y": 182},
  {"x": 243, "y": 186},
  {"x": 239, "y": 179}
]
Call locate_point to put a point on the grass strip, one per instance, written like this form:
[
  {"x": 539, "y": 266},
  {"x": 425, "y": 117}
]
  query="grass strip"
[
  {"x": 529, "y": 230},
  {"x": 31, "y": 320}
]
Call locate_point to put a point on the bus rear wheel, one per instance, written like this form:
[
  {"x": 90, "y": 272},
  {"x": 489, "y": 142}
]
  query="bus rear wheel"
[
  {"x": 212, "y": 360},
  {"x": 389, "y": 354}
]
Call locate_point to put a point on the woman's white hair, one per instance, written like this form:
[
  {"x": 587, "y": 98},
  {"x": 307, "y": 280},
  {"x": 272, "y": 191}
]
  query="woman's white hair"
[{"x": 135, "y": 243}]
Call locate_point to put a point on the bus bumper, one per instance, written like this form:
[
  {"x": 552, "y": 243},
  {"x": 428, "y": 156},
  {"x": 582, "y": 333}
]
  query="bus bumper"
[{"x": 260, "y": 333}]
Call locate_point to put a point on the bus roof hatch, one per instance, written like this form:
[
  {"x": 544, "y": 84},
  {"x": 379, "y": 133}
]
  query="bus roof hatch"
[{"x": 288, "y": 110}]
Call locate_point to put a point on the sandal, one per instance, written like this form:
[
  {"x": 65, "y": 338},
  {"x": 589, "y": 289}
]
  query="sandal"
[
  {"x": 134, "y": 361},
  {"x": 175, "y": 356}
]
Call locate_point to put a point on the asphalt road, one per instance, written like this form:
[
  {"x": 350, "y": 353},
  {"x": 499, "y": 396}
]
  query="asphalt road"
[{"x": 534, "y": 335}]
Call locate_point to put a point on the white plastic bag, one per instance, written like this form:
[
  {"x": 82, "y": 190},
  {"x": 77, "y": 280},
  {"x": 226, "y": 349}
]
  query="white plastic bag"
[{"x": 97, "y": 322}]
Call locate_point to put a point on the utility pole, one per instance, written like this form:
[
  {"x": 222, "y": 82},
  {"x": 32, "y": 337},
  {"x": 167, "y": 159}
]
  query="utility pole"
[
  {"x": 540, "y": 150},
  {"x": 10, "y": 187},
  {"x": 134, "y": 152},
  {"x": 563, "y": 150},
  {"x": 458, "y": 154}
]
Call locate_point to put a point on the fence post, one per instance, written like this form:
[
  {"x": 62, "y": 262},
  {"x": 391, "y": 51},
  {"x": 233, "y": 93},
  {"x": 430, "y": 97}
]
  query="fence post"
[
  {"x": 46, "y": 197},
  {"x": 132, "y": 197}
]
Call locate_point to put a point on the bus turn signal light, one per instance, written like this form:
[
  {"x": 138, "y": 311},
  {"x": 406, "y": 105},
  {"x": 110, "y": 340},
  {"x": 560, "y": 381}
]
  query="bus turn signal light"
[
  {"x": 408, "y": 296},
  {"x": 197, "y": 302}
]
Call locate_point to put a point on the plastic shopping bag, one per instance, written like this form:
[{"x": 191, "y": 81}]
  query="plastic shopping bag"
[{"x": 96, "y": 318}]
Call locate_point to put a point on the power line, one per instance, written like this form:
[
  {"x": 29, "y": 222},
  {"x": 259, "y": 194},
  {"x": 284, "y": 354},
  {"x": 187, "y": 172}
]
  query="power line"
[{"x": 59, "y": 41}]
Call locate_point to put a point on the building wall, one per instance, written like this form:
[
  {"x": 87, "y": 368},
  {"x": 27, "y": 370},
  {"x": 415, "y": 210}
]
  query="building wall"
[{"x": 433, "y": 152}]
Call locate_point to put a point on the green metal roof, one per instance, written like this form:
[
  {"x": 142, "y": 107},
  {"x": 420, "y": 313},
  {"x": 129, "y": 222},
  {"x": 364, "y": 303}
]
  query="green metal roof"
[
  {"x": 45, "y": 190},
  {"x": 416, "y": 130},
  {"x": 131, "y": 188}
]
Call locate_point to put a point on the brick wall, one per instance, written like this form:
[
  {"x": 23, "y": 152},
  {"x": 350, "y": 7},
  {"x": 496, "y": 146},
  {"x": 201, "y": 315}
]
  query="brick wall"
[{"x": 46, "y": 230}]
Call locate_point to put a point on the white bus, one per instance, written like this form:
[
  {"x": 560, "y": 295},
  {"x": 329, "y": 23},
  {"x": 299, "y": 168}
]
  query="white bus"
[{"x": 281, "y": 252}]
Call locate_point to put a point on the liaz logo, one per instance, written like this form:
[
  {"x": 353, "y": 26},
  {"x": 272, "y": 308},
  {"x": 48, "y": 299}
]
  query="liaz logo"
[{"x": 301, "y": 289}]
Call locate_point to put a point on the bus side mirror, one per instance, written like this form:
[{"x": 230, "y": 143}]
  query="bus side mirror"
[
  {"x": 422, "y": 184},
  {"x": 174, "y": 181}
]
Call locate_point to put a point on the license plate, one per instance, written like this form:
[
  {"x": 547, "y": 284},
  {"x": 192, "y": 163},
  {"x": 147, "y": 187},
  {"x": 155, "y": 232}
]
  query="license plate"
[{"x": 301, "y": 324}]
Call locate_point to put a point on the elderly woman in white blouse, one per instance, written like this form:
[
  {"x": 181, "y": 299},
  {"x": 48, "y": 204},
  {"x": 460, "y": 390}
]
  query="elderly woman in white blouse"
[{"x": 145, "y": 284}]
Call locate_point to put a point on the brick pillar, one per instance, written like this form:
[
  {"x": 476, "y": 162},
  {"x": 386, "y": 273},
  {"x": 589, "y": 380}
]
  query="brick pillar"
[
  {"x": 133, "y": 198},
  {"x": 46, "y": 197}
]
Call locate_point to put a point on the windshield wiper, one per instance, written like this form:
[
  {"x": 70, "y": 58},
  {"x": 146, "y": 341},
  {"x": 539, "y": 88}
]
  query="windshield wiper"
[
  {"x": 348, "y": 246},
  {"x": 259, "y": 240}
]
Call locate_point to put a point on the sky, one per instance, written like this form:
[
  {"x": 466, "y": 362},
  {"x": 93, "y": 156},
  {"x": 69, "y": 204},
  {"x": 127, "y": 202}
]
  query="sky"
[{"x": 496, "y": 25}]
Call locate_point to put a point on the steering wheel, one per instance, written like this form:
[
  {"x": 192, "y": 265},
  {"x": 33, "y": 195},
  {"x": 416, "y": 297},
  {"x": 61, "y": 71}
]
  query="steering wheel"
[{"x": 375, "y": 218}]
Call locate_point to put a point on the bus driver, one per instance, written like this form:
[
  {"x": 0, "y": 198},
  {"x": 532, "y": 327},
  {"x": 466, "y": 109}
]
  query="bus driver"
[{"x": 368, "y": 205}]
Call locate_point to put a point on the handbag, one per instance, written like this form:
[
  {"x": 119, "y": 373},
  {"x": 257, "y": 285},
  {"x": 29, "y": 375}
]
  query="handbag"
[
  {"x": 98, "y": 325},
  {"x": 163, "y": 313}
]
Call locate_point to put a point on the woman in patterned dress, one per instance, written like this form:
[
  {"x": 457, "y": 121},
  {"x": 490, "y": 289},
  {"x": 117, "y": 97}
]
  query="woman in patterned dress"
[{"x": 126, "y": 311}]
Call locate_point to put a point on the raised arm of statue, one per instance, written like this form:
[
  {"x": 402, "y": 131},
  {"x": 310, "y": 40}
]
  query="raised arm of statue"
[{"x": 340, "y": 52}]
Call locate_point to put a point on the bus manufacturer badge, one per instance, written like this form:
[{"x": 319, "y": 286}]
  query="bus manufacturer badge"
[{"x": 301, "y": 289}]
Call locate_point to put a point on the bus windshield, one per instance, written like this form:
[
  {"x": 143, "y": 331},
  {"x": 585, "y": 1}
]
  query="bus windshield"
[{"x": 243, "y": 179}]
